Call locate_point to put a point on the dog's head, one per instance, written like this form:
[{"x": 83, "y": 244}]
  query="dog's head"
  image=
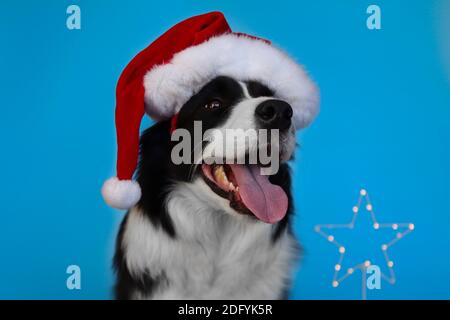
[
  {"x": 246, "y": 132},
  {"x": 231, "y": 141}
]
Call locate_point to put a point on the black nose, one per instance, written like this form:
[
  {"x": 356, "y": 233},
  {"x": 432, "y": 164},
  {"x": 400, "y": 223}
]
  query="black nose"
[{"x": 274, "y": 114}]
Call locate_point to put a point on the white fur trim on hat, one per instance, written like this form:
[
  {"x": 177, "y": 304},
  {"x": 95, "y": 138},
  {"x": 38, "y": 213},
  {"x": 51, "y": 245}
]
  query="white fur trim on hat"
[
  {"x": 121, "y": 194},
  {"x": 169, "y": 86}
]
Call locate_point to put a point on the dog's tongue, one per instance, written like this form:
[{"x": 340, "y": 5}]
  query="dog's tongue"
[{"x": 268, "y": 202}]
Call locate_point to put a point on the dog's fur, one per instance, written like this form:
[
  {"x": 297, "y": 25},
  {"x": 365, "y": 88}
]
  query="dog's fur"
[{"x": 182, "y": 240}]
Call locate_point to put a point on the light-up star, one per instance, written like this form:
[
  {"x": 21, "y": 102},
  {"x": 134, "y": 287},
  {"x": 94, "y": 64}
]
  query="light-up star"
[{"x": 402, "y": 230}]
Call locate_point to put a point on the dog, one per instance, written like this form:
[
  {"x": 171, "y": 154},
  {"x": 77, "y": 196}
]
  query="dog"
[
  {"x": 212, "y": 231},
  {"x": 209, "y": 201}
]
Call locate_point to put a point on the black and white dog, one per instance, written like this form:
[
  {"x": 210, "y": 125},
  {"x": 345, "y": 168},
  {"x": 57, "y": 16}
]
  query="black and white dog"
[{"x": 211, "y": 231}]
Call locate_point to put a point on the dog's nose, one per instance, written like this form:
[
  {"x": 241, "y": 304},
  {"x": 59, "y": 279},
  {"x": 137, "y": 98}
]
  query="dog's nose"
[{"x": 274, "y": 114}]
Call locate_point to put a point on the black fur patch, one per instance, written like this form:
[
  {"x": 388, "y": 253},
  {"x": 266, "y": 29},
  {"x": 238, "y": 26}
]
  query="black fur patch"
[
  {"x": 224, "y": 89},
  {"x": 283, "y": 179},
  {"x": 257, "y": 89},
  {"x": 155, "y": 175}
]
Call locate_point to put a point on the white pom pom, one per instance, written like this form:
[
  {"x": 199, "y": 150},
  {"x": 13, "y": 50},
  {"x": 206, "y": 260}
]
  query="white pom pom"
[{"x": 121, "y": 194}]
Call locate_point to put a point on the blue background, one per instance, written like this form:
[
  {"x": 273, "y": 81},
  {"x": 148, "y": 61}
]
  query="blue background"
[{"x": 384, "y": 126}]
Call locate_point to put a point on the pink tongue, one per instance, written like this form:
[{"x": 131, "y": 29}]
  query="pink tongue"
[{"x": 268, "y": 202}]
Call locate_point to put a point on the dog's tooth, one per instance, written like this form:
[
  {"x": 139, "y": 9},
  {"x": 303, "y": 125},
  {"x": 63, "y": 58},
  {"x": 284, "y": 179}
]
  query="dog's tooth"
[
  {"x": 219, "y": 175},
  {"x": 231, "y": 185},
  {"x": 223, "y": 174},
  {"x": 217, "y": 169}
]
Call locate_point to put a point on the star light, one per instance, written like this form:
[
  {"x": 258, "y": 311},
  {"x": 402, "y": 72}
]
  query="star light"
[{"x": 338, "y": 278}]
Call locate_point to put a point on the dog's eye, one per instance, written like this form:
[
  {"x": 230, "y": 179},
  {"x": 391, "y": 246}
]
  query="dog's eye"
[{"x": 213, "y": 104}]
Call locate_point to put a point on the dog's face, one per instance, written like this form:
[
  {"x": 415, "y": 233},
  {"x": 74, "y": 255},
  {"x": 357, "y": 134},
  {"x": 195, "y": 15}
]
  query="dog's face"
[{"x": 245, "y": 130}]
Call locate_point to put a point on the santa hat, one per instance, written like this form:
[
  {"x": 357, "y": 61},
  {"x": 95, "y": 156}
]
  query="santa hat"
[{"x": 163, "y": 76}]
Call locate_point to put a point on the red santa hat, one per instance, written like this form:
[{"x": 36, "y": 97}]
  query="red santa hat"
[{"x": 163, "y": 76}]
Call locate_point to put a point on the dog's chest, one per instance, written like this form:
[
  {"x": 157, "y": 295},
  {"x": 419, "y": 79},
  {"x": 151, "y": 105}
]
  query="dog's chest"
[{"x": 214, "y": 256}]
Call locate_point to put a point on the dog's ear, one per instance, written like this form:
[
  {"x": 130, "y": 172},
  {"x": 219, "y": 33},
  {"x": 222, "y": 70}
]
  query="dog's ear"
[
  {"x": 154, "y": 174},
  {"x": 154, "y": 150},
  {"x": 155, "y": 163},
  {"x": 154, "y": 158}
]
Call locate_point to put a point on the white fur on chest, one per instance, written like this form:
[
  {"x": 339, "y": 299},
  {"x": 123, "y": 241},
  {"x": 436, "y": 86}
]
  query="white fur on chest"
[{"x": 215, "y": 255}]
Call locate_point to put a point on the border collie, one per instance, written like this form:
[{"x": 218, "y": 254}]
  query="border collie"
[{"x": 211, "y": 231}]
